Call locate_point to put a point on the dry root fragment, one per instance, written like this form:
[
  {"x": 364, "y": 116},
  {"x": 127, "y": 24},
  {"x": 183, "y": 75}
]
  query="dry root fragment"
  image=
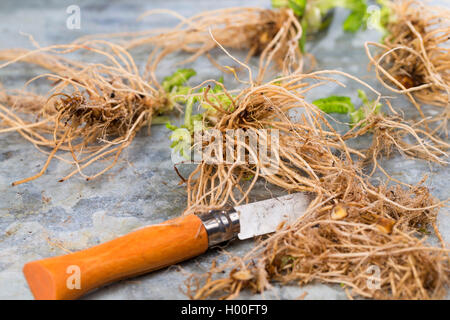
[
  {"x": 385, "y": 225},
  {"x": 339, "y": 212}
]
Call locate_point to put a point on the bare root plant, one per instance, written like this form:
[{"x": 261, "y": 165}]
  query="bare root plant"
[
  {"x": 93, "y": 111},
  {"x": 414, "y": 58},
  {"x": 351, "y": 226}
]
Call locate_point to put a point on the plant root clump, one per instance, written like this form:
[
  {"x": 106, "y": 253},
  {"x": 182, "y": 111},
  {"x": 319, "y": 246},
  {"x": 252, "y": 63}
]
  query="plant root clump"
[
  {"x": 393, "y": 133},
  {"x": 352, "y": 227},
  {"x": 415, "y": 58},
  {"x": 272, "y": 34},
  {"x": 93, "y": 111},
  {"x": 308, "y": 149},
  {"x": 305, "y": 149},
  {"x": 377, "y": 251}
]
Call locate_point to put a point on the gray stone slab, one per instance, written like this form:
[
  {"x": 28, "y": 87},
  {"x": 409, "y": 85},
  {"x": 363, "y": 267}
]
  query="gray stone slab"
[{"x": 143, "y": 188}]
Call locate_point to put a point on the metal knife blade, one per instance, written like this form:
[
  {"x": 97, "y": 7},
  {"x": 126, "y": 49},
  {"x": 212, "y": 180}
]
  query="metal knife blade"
[{"x": 265, "y": 216}]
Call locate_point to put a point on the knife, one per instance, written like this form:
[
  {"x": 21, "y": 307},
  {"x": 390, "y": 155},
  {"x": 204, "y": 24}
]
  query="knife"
[{"x": 154, "y": 247}]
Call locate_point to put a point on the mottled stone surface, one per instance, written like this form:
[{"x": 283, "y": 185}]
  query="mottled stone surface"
[{"x": 40, "y": 217}]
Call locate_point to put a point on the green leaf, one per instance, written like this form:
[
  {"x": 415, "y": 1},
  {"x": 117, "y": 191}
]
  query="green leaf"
[
  {"x": 177, "y": 79},
  {"x": 343, "y": 105},
  {"x": 171, "y": 126},
  {"x": 363, "y": 96},
  {"x": 298, "y": 6},
  {"x": 335, "y": 104},
  {"x": 354, "y": 21},
  {"x": 356, "y": 18},
  {"x": 302, "y": 40},
  {"x": 217, "y": 88},
  {"x": 386, "y": 15},
  {"x": 381, "y": 18}
]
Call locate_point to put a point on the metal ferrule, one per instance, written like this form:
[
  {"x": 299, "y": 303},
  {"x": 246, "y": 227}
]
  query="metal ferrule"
[{"x": 220, "y": 225}]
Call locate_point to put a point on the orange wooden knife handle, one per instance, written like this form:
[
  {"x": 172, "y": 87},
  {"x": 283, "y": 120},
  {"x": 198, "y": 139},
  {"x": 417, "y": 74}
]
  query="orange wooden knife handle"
[{"x": 136, "y": 253}]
